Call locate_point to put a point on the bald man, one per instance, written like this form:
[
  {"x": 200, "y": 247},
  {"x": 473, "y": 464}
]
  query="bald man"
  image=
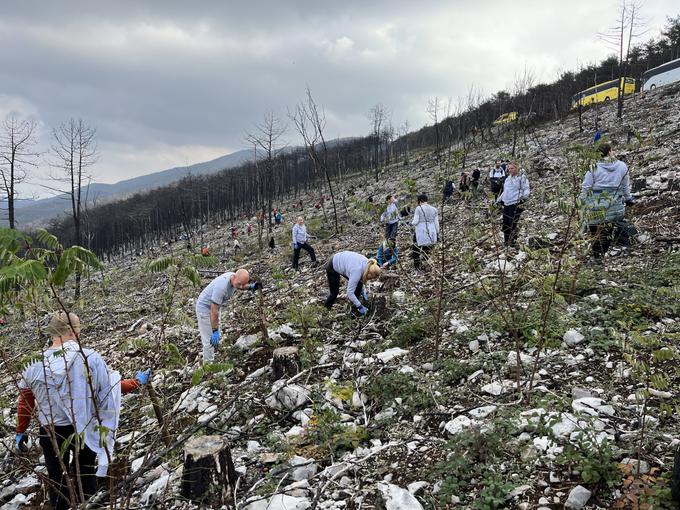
[{"x": 209, "y": 303}]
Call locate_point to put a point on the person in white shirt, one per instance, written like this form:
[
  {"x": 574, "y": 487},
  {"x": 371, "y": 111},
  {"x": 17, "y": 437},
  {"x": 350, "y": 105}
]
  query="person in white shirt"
[
  {"x": 72, "y": 393},
  {"x": 496, "y": 178},
  {"x": 515, "y": 192},
  {"x": 426, "y": 221},
  {"x": 358, "y": 270},
  {"x": 210, "y": 301},
  {"x": 390, "y": 218},
  {"x": 300, "y": 242}
]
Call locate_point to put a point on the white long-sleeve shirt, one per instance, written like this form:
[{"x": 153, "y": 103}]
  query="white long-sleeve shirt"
[
  {"x": 352, "y": 266},
  {"x": 63, "y": 395},
  {"x": 299, "y": 234},
  {"x": 515, "y": 188},
  {"x": 426, "y": 221}
]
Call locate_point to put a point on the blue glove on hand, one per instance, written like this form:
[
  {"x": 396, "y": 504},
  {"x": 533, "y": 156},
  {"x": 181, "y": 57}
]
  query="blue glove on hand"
[
  {"x": 255, "y": 286},
  {"x": 296, "y": 246},
  {"x": 215, "y": 338},
  {"x": 365, "y": 294},
  {"x": 362, "y": 310},
  {"x": 21, "y": 440},
  {"x": 142, "y": 377}
]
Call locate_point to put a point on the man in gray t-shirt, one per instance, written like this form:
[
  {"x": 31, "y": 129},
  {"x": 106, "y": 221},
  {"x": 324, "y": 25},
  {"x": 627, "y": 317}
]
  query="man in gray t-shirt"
[{"x": 208, "y": 305}]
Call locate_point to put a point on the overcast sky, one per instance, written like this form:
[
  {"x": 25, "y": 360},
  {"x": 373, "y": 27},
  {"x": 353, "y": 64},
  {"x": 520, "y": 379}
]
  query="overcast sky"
[{"x": 169, "y": 83}]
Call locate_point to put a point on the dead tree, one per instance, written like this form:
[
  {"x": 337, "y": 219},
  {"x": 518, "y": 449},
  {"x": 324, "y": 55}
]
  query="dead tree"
[
  {"x": 310, "y": 122},
  {"x": 17, "y": 142},
  {"x": 209, "y": 476},
  {"x": 267, "y": 147},
  {"x": 629, "y": 26},
  {"x": 74, "y": 150},
  {"x": 378, "y": 115}
]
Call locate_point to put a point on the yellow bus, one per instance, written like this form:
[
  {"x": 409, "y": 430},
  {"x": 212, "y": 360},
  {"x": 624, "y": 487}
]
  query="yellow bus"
[
  {"x": 506, "y": 118},
  {"x": 602, "y": 93}
]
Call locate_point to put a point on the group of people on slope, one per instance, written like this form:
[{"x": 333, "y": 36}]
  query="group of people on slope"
[{"x": 77, "y": 398}]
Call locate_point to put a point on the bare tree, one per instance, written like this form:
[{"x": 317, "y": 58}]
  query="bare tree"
[
  {"x": 433, "y": 110},
  {"x": 17, "y": 142},
  {"x": 403, "y": 133},
  {"x": 523, "y": 83},
  {"x": 310, "y": 123},
  {"x": 267, "y": 147},
  {"x": 629, "y": 26},
  {"x": 378, "y": 115},
  {"x": 74, "y": 149}
]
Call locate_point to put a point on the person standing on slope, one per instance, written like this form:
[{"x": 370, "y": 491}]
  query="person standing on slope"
[
  {"x": 76, "y": 395},
  {"x": 358, "y": 270},
  {"x": 300, "y": 242},
  {"x": 209, "y": 303},
  {"x": 426, "y": 221},
  {"x": 390, "y": 217},
  {"x": 515, "y": 192},
  {"x": 496, "y": 178},
  {"x": 605, "y": 192}
]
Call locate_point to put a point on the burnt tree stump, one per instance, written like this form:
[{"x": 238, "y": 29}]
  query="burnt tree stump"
[
  {"x": 285, "y": 362},
  {"x": 209, "y": 475},
  {"x": 390, "y": 281},
  {"x": 379, "y": 306}
]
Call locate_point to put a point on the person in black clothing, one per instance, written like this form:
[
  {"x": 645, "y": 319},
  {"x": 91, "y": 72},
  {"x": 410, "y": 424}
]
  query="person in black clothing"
[
  {"x": 448, "y": 190},
  {"x": 464, "y": 182},
  {"x": 476, "y": 174}
]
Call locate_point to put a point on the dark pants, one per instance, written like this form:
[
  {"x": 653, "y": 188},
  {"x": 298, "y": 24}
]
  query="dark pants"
[
  {"x": 391, "y": 230},
  {"x": 511, "y": 214},
  {"x": 296, "y": 253},
  {"x": 87, "y": 465},
  {"x": 602, "y": 238},
  {"x": 496, "y": 188},
  {"x": 334, "y": 285},
  {"x": 421, "y": 254}
]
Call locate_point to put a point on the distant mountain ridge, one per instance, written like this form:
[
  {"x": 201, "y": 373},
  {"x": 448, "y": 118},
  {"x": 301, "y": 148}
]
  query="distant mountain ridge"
[{"x": 39, "y": 212}]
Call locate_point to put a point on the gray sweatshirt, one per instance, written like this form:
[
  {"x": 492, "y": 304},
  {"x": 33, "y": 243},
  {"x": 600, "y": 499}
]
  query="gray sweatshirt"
[
  {"x": 352, "y": 266},
  {"x": 608, "y": 173}
]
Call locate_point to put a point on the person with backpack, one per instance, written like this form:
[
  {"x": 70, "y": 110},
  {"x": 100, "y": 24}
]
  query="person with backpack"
[
  {"x": 299, "y": 233},
  {"x": 515, "y": 192},
  {"x": 358, "y": 270},
  {"x": 211, "y": 300},
  {"x": 426, "y": 223},
  {"x": 390, "y": 217},
  {"x": 605, "y": 192},
  {"x": 496, "y": 178},
  {"x": 75, "y": 399},
  {"x": 387, "y": 253}
]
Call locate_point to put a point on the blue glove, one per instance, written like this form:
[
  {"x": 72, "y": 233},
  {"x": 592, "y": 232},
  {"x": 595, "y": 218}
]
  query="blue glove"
[
  {"x": 296, "y": 246},
  {"x": 215, "y": 338},
  {"x": 255, "y": 286},
  {"x": 20, "y": 440},
  {"x": 362, "y": 310},
  {"x": 365, "y": 294},
  {"x": 142, "y": 377}
]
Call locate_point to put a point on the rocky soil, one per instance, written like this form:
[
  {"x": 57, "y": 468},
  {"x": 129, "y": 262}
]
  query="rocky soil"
[{"x": 528, "y": 378}]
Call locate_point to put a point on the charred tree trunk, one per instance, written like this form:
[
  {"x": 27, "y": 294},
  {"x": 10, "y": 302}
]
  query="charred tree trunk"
[
  {"x": 285, "y": 362},
  {"x": 209, "y": 476}
]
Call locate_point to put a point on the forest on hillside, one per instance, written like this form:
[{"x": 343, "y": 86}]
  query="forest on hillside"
[{"x": 166, "y": 213}]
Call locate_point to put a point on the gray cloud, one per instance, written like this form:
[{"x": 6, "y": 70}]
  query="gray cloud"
[{"x": 173, "y": 82}]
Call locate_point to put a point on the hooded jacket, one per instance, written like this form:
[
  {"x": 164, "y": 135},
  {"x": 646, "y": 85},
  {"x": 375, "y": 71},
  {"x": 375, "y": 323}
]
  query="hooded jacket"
[{"x": 604, "y": 190}]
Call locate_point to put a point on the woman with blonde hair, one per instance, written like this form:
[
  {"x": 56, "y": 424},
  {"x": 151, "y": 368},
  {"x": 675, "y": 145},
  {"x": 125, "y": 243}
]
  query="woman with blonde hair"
[{"x": 358, "y": 270}]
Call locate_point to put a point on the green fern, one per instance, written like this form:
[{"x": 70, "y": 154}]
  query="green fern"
[{"x": 162, "y": 264}]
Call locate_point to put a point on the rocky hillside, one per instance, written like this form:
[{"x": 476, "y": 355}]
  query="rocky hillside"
[{"x": 527, "y": 378}]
